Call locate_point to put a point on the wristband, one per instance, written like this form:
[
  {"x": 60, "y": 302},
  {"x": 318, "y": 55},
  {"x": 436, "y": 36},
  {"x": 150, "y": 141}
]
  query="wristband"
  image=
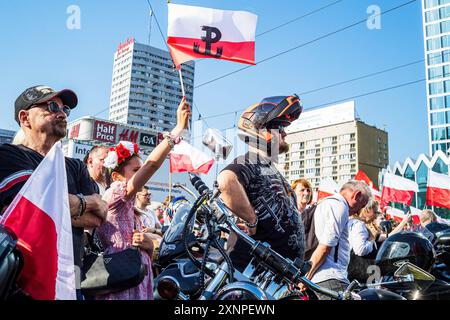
[{"x": 82, "y": 207}]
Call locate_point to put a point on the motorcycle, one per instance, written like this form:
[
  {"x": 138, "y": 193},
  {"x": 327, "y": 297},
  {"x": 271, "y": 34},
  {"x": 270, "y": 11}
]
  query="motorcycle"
[
  {"x": 415, "y": 248},
  {"x": 269, "y": 276}
]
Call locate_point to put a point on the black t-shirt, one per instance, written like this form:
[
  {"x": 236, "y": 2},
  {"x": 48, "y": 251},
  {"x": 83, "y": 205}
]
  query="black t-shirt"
[
  {"x": 274, "y": 202},
  {"x": 17, "y": 163}
]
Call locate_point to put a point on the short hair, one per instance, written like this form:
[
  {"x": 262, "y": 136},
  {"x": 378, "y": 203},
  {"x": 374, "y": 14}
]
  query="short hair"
[
  {"x": 427, "y": 216},
  {"x": 303, "y": 182},
  {"x": 360, "y": 186},
  {"x": 93, "y": 150}
]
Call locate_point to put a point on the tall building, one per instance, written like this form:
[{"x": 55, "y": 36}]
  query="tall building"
[
  {"x": 6, "y": 136},
  {"x": 333, "y": 142},
  {"x": 146, "y": 88},
  {"x": 436, "y": 29}
]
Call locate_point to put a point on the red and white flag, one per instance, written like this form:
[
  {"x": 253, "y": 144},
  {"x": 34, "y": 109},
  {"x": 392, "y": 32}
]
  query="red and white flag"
[
  {"x": 327, "y": 187},
  {"x": 398, "y": 215},
  {"x": 362, "y": 176},
  {"x": 438, "y": 190},
  {"x": 196, "y": 32},
  {"x": 186, "y": 158},
  {"x": 40, "y": 217},
  {"x": 398, "y": 189}
]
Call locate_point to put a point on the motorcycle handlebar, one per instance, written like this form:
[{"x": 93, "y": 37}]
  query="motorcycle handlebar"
[{"x": 263, "y": 251}]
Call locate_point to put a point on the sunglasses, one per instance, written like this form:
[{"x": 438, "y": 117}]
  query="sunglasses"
[{"x": 53, "y": 107}]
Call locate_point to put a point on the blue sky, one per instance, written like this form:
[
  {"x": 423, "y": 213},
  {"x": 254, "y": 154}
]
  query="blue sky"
[{"x": 39, "y": 49}]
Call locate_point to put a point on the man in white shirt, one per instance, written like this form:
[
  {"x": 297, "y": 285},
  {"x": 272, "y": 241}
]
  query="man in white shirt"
[{"x": 330, "y": 258}]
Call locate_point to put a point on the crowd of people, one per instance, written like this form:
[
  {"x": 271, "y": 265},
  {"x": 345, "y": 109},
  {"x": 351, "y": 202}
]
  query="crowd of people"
[{"x": 110, "y": 203}]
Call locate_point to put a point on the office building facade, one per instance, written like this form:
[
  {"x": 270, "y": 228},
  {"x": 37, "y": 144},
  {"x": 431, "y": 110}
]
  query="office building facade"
[
  {"x": 436, "y": 29},
  {"x": 333, "y": 142},
  {"x": 146, "y": 88}
]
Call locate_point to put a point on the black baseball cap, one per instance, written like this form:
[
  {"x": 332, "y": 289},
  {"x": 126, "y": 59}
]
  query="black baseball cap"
[{"x": 40, "y": 94}]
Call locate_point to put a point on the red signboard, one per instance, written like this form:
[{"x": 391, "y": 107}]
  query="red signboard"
[
  {"x": 123, "y": 47},
  {"x": 129, "y": 135},
  {"x": 105, "y": 132}
]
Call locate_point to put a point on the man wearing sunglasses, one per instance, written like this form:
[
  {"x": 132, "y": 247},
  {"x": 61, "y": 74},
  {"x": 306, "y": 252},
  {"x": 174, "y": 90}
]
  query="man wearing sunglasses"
[
  {"x": 41, "y": 113},
  {"x": 254, "y": 189}
]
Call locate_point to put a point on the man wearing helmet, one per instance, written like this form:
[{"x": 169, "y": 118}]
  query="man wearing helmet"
[{"x": 253, "y": 188}]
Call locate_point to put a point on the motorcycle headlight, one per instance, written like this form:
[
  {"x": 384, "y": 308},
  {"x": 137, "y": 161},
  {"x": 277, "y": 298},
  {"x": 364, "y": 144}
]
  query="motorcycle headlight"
[
  {"x": 168, "y": 288},
  {"x": 237, "y": 294}
]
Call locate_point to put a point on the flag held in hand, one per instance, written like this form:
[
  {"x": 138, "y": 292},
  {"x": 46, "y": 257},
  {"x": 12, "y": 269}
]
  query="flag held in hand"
[{"x": 196, "y": 32}]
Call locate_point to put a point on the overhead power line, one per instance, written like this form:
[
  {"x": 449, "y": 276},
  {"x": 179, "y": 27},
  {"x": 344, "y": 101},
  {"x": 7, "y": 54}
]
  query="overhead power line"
[
  {"x": 336, "y": 101},
  {"x": 303, "y": 44}
]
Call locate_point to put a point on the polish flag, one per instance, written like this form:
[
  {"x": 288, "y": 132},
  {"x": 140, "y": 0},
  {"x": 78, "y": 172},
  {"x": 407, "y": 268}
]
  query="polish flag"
[
  {"x": 398, "y": 215},
  {"x": 186, "y": 158},
  {"x": 40, "y": 217},
  {"x": 361, "y": 176},
  {"x": 327, "y": 187},
  {"x": 438, "y": 190},
  {"x": 196, "y": 32},
  {"x": 398, "y": 189}
]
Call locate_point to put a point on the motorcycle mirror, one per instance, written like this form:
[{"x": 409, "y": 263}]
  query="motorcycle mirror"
[
  {"x": 386, "y": 226},
  {"x": 217, "y": 143},
  {"x": 412, "y": 274}
]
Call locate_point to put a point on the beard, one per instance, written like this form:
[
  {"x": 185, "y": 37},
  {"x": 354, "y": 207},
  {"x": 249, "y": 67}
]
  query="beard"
[{"x": 59, "y": 129}]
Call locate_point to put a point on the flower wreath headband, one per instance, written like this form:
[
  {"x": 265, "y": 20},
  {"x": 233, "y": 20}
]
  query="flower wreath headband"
[{"x": 120, "y": 153}]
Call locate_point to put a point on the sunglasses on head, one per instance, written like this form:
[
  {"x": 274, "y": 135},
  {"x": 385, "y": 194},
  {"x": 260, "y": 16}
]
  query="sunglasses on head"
[{"x": 53, "y": 107}]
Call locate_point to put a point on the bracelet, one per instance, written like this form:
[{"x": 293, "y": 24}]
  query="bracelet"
[
  {"x": 82, "y": 207},
  {"x": 172, "y": 140},
  {"x": 251, "y": 225}
]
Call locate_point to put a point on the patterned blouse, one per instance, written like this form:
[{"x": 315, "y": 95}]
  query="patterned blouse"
[{"x": 116, "y": 234}]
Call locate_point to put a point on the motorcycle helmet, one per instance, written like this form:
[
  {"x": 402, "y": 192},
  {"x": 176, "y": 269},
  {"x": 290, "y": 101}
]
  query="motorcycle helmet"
[
  {"x": 404, "y": 247},
  {"x": 256, "y": 121},
  {"x": 435, "y": 228},
  {"x": 174, "y": 205}
]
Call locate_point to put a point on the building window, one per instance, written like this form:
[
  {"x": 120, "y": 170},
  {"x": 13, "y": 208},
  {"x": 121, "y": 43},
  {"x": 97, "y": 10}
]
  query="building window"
[
  {"x": 433, "y": 29},
  {"x": 431, "y": 3},
  {"x": 434, "y": 58},
  {"x": 436, "y": 88},
  {"x": 438, "y": 118},
  {"x": 438, "y": 103},
  {"x": 432, "y": 15},
  {"x": 433, "y": 44},
  {"x": 438, "y": 134}
]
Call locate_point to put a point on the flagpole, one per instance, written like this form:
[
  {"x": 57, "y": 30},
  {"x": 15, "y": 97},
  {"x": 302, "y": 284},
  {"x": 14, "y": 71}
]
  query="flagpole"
[
  {"x": 170, "y": 185},
  {"x": 181, "y": 81}
]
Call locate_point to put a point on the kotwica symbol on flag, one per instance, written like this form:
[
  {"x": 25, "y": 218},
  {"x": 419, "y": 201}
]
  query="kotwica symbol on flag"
[{"x": 196, "y": 32}]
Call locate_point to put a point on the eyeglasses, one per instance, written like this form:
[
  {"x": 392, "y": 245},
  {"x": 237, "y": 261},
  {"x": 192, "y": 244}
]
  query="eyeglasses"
[{"x": 53, "y": 107}]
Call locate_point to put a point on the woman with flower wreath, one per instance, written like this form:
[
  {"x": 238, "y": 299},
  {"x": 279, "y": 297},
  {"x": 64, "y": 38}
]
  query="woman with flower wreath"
[{"x": 128, "y": 173}]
